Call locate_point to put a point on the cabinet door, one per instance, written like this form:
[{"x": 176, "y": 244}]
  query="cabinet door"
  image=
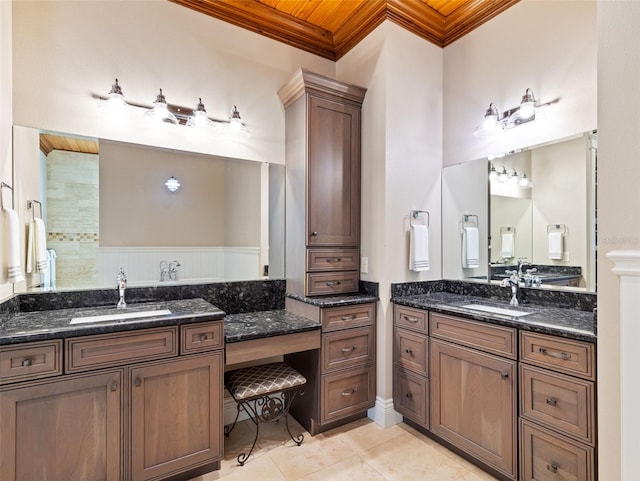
[
  {"x": 473, "y": 403},
  {"x": 176, "y": 415},
  {"x": 62, "y": 430},
  {"x": 333, "y": 180}
]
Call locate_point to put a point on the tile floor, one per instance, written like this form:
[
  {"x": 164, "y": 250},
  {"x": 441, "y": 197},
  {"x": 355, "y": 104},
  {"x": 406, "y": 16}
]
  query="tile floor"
[{"x": 360, "y": 451}]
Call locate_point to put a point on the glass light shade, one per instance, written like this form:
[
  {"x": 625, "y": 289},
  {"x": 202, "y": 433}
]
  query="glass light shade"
[
  {"x": 524, "y": 182},
  {"x": 172, "y": 184},
  {"x": 502, "y": 175},
  {"x": 115, "y": 98},
  {"x": 160, "y": 111},
  {"x": 493, "y": 173},
  {"x": 199, "y": 117},
  {"x": 527, "y": 106},
  {"x": 513, "y": 177},
  {"x": 491, "y": 123},
  {"x": 236, "y": 126}
]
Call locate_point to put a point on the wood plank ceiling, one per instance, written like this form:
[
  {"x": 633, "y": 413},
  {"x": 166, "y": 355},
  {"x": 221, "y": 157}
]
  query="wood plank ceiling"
[
  {"x": 330, "y": 28},
  {"x": 49, "y": 142}
]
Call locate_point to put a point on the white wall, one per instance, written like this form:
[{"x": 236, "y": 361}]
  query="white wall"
[
  {"x": 401, "y": 160},
  {"x": 6, "y": 117},
  {"x": 66, "y": 51},
  {"x": 548, "y": 46},
  {"x": 618, "y": 210}
]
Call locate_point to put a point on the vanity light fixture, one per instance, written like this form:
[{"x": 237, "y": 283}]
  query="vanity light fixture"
[
  {"x": 160, "y": 111},
  {"x": 502, "y": 175},
  {"x": 493, "y": 173},
  {"x": 524, "y": 181},
  {"x": 495, "y": 122},
  {"x": 172, "y": 184},
  {"x": 175, "y": 114}
]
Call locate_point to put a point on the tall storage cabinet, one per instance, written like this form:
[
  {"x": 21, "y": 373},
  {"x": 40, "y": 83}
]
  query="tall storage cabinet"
[{"x": 323, "y": 184}]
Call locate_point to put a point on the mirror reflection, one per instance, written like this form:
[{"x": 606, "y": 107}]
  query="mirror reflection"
[
  {"x": 541, "y": 209},
  {"x": 108, "y": 204}
]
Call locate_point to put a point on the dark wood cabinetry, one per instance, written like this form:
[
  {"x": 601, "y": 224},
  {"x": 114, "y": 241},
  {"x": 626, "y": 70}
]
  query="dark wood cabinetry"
[
  {"x": 127, "y": 407},
  {"x": 464, "y": 380},
  {"x": 341, "y": 376},
  {"x": 323, "y": 184}
]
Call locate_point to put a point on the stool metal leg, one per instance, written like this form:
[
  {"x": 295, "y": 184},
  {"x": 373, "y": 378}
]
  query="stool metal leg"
[{"x": 228, "y": 429}]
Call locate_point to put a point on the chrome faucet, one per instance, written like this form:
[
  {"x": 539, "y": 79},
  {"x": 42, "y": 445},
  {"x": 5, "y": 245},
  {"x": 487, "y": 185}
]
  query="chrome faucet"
[
  {"x": 515, "y": 276},
  {"x": 164, "y": 271},
  {"x": 173, "y": 270},
  {"x": 121, "y": 285}
]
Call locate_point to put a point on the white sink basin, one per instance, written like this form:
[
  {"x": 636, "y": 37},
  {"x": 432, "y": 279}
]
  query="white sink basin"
[
  {"x": 119, "y": 316},
  {"x": 496, "y": 310}
]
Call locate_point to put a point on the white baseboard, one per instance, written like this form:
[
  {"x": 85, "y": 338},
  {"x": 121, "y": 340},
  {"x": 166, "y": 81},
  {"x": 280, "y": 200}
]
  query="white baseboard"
[{"x": 383, "y": 413}]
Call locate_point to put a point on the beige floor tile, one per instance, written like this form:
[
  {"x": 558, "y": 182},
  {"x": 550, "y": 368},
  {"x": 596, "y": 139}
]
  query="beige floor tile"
[
  {"x": 408, "y": 457},
  {"x": 314, "y": 454},
  {"x": 365, "y": 434},
  {"x": 260, "y": 468},
  {"x": 351, "y": 469},
  {"x": 477, "y": 475}
]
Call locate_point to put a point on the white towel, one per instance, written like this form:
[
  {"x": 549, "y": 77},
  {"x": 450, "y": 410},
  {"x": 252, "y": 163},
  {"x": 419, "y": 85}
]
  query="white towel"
[
  {"x": 37, "y": 259},
  {"x": 556, "y": 248},
  {"x": 470, "y": 248},
  {"x": 11, "y": 267},
  {"x": 419, "y": 248},
  {"x": 506, "y": 249}
]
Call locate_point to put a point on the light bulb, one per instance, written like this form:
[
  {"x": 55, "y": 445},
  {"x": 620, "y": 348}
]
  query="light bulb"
[{"x": 527, "y": 106}]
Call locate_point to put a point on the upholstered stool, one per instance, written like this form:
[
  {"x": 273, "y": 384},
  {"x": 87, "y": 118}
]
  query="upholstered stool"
[{"x": 253, "y": 389}]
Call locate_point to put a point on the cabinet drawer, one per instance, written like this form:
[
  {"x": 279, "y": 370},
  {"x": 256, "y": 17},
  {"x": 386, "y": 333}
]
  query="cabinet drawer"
[
  {"x": 332, "y": 259},
  {"x": 92, "y": 352},
  {"x": 412, "y": 351},
  {"x": 319, "y": 284},
  {"x": 559, "y": 401},
  {"x": 33, "y": 360},
  {"x": 547, "y": 456},
  {"x": 408, "y": 318},
  {"x": 478, "y": 335},
  {"x": 347, "y": 393},
  {"x": 203, "y": 336},
  {"x": 565, "y": 355},
  {"x": 348, "y": 348},
  {"x": 411, "y": 396},
  {"x": 357, "y": 315}
]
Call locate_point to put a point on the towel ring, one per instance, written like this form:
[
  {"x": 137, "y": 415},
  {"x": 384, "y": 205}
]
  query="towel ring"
[
  {"x": 558, "y": 227},
  {"x": 414, "y": 215},
  {"x": 508, "y": 228},
  {"x": 2, "y": 186},
  {"x": 31, "y": 206},
  {"x": 465, "y": 219}
]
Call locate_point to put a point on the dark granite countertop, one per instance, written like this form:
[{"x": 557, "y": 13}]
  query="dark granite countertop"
[
  {"x": 335, "y": 301},
  {"x": 258, "y": 325},
  {"x": 55, "y": 324},
  {"x": 569, "y": 323}
]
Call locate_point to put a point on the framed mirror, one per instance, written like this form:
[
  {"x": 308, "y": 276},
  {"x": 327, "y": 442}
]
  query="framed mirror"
[
  {"x": 540, "y": 208},
  {"x": 107, "y": 204}
]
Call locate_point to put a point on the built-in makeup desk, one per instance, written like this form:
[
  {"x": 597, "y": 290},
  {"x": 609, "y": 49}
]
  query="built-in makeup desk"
[{"x": 259, "y": 335}]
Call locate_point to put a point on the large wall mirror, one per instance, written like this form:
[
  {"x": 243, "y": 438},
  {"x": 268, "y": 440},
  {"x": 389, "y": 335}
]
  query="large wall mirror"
[
  {"x": 105, "y": 205},
  {"x": 536, "y": 205}
]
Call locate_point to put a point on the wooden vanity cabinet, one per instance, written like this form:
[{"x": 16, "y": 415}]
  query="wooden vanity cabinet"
[
  {"x": 557, "y": 409},
  {"x": 133, "y": 406},
  {"x": 411, "y": 364},
  {"x": 341, "y": 375},
  {"x": 322, "y": 152},
  {"x": 474, "y": 389}
]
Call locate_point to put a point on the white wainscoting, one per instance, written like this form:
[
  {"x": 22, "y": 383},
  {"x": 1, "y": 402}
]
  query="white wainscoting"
[{"x": 197, "y": 264}]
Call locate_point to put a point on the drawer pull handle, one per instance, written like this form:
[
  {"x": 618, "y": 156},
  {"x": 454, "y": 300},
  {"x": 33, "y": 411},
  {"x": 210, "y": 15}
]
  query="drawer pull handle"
[
  {"x": 349, "y": 317},
  {"x": 409, "y": 395},
  {"x": 138, "y": 382},
  {"x": 410, "y": 318},
  {"x": 552, "y": 402},
  {"x": 348, "y": 393},
  {"x": 203, "y": 337},
  {"x": 504, "y": 375},
  {"x": 27, "y": 362},
  {"x": 332, "y": 260},
  {"x": 409, "y": 351},
  {"x": 349, "y": 349},
  {"x": 552, "y": 467},
  {"x": 114, "y": 387},
  {"x": 314, "y": 234},
  {"x": 558, "y": 355},
  {"x": 333, "y": 283}
]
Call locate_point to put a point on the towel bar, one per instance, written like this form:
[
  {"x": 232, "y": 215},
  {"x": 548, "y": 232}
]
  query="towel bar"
[
  {"x": 414, "y": 215},
  {"x": 2, "y": 186},
  {"x": 31, "y": 206}
]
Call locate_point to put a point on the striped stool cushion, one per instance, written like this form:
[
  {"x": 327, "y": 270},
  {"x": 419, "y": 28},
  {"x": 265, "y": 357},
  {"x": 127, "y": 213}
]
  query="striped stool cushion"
[{"x": 256, "y": 381}]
